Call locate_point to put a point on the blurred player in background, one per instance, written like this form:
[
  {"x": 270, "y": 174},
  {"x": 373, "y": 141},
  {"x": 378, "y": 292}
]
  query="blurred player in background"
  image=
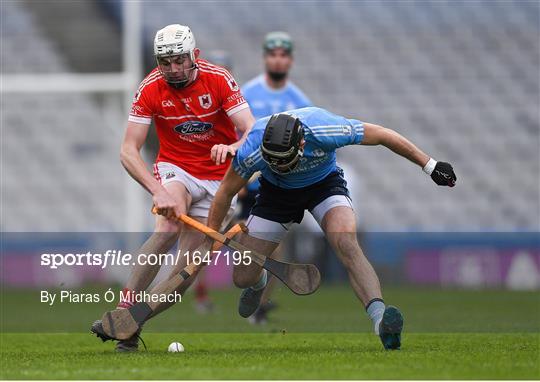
[
  {"x": 272, "y": 92},
  {"x": 296, "y": 154},
  {"x": 197, "y": 108},
  {"x": 269, "y": 93}
]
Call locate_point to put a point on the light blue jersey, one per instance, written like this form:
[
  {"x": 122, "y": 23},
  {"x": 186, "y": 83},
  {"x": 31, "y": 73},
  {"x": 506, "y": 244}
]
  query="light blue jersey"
[
  {"x": 324, "y": 132},
  {"x": 265, "y": 101}
]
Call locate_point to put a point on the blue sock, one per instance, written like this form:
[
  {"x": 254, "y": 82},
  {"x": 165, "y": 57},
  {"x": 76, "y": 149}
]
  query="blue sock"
[
  {"x": 375, "y": 310},
  {"x": 262, "y": 281}
]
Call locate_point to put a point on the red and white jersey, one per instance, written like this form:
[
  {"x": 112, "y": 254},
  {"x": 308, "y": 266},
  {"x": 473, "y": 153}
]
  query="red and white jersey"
[{"x": 189, "y": 121}]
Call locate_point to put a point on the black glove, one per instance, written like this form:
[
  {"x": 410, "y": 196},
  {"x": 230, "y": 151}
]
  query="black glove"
[{"x": 443, "y": 174}]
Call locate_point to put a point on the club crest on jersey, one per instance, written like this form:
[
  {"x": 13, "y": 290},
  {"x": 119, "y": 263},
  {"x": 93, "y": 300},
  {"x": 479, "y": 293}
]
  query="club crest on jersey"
[
  {"x": 205, "y": 100},
  {"x": 193, "y": 127},
  {"x": 233, "y": 85}
]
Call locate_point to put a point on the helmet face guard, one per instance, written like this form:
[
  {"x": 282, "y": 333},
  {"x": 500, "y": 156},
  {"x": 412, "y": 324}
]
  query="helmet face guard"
[
  {"x": 173, "y": 78},
  {"x": 282, "y": 143}
]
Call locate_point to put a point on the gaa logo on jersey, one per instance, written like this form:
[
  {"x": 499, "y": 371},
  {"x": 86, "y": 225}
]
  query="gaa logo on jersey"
[
  {"x": 205, "y": 100},
  {"x": 137, "y": 110},
  {"x": 167, "y": 103},
  {"x": 193, "y": 127},
  {"x": 347, "y": 130}
]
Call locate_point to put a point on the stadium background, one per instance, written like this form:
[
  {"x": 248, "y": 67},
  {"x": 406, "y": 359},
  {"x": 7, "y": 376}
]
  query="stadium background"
[{"x": 460, "y": 79}]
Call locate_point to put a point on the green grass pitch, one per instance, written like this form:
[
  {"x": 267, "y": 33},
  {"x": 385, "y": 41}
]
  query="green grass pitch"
[{"x": 448, "y": 335}]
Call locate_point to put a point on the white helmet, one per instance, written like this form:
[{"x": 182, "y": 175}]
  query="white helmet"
[{"x": 174, "y": 39}]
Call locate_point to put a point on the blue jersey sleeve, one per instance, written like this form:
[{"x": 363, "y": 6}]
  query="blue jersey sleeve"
[
  {"x": 248, "y": 158},
  {"x": 331, "y": 131}
]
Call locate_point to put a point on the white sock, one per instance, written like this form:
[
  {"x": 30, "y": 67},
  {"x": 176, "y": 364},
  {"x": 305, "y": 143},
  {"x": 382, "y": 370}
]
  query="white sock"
[
  {"x": 376, "y": 328},
  {"x": 262, "y": 281},
  {"x": 375, "y": 311}
]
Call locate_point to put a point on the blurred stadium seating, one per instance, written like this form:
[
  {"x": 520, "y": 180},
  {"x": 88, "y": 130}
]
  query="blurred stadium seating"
[
  {"x": 458, "y": 78},
  {"x": 60, "y": 169}
]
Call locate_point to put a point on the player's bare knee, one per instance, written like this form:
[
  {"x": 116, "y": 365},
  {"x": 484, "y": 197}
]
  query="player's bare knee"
[
  {"x": 347, "y": 247},
  {"x": 165, "y": 238},
  {"x": 167, "y": 225}
]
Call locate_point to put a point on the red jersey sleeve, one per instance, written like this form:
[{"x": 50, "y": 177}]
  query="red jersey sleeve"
[
  {"x": 142, "y": 108},
  {"x": 232, "y": 100}
]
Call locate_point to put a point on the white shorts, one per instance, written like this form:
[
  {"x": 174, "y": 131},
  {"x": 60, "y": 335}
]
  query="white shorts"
[
  {"x": 202, "y": 191},
  {"x": 269, "y": 230}
]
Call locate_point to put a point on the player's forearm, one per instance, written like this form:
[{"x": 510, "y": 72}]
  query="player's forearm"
[
  {"x": 402, "y": 146},
  {"x": 133, "y": 163},
  {"x": 245, "y": 128},
  {"x": 219, "y": 208},
  {"x": 241, "y": 141}
]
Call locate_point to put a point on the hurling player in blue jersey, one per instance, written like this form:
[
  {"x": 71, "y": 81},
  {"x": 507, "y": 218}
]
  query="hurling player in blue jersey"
[{"x": 296, "y": 154}]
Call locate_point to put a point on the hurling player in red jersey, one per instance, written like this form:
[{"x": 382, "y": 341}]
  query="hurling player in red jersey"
[{"x": 197, "y": 109}]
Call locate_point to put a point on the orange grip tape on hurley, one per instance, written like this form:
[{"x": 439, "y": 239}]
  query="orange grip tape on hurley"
[
  {"x": 218, "y": 237},
  {"x": 240, "y": 227}
]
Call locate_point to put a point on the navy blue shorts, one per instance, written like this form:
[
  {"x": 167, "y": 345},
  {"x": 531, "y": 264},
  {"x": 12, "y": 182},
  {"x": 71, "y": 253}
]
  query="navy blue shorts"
[{"x": 284, "y": 205}]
